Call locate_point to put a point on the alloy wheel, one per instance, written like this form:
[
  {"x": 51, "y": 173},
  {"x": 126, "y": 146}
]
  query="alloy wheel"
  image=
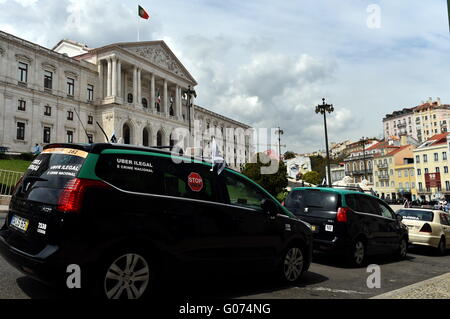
[
  {"x": 359, "y": 252},
  {"x": 293, "y": 264},
  {"x": 127, "y": 277}
]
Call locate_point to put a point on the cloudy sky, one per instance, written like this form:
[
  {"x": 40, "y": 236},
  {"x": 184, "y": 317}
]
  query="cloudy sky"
[{"x": 269, "y": 62}]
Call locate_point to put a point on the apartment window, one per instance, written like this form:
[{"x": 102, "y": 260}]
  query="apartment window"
[
  {"x": 426, "y": 170},
  {"x": 436, "y": 157},
  {"x": 445, "y": 169},
  {"x": 447, "y": 185},
  {"x": 419, "y": 172},
  {"x": 399, "y": 173},
  {"x": 411, "y": 172},
  {"x": 48, "y": 110},
  {"x": 46, "y": 138},
  {"x": 70, "y": 115},
  {"x": 90, "y": 119},
  {"x": 407, "y": 185},
  {"x": 48, "y": 79},
  {"x": 444, "y": 156},
  {"x": 413, "y": 185},
  {"x": 417, "y": 159},
  {"x": 69, "y": 136},
  {"x": 23, "y": 72},
  {"x": 425, "y": 158},
  {"x": 391, "y": 172},
  {"x": 420, "y": 186},
  {"x": 405, "y": 173},
  {"x": 437, "y": 169},
  {"x": 400, "y": 185},
  {"x": 22, "y": 105},
  {"x": 382, "y": 184},
  {"x": 70, "y": 86},
  {"x": 90, "y": 92},
  {"x": 392, "y": 184},
  {"x": 20, "y": 131}
]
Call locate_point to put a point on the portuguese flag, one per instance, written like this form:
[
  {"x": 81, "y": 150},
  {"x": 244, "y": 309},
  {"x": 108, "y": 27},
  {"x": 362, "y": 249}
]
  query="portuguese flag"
[{"x": 142, "y": 13}]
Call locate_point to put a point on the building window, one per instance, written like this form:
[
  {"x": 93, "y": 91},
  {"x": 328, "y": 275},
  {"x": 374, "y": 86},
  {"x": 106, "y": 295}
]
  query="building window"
[
  {"x": 417, "y": 159},
  {"x": 447, "y": 185},
  {"x": 69, "y": 136},
  {"x": 23, "y": 72},
  {"x": 425, "y": 158},
  {"x": 70, "y": 115},
  {"x": 46, "y": 138},
  {"x": 437, "y": 170},
  {"x": 130, "y": 98},
  {"x": 90, "y": 92},
  {"x": 48, "y": 110},
  {"x": 90, "y": 119},
  {"x": 70, "y": 86},
  {"x": 444, "y": 156},
  {"x": 20, "y": 131},
  {"x": 144, "y": 102},
  {"x": 420, "y": 186},
  {"x": 400, "y": 185},
  {"x": 22, "y": 105},
  {"x": 445, "y": 169},
  {"x": 90, "y": 138},
  {"x": 399, "y": 173},
  {"x": 48, "y": 79},
  {"x": 436, "y": 157},
  {"x": 419, "y": 172},
  {"x": 405, "y": 173},
  {"x": 426, "y": 170}
]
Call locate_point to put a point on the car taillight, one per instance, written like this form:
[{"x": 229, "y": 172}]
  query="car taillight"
[
  {"x": 426, "y": 228},
  {"x": 341, "y": 215},
  {"x": 282, "y": 203},
  {"x": 71, "y": 198}
]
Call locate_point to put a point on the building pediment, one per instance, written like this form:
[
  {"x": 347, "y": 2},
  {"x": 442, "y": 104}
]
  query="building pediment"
[{"x": 159, "y": 54}]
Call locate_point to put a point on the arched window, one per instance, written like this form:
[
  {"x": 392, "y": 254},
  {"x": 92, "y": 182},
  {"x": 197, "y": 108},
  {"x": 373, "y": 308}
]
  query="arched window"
[
  {"x": 130, "y": 98},
  {"x": 126, "y": 134},
  {"x": 145, "y": 137},
  {"x": 144, "y": 102},
  {"x": 159, "y": 138}
]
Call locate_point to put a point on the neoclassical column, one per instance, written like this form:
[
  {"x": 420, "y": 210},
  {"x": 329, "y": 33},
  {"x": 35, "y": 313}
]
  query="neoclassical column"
[
  {"x": 178, "y": 102},
  {"x": 139, "y": 87},
  {"x": 135, "y": 87},
  {"x": 119, "y": 78},
  {"x": 100, "y": 79},
  {"x": 165, "y": 98},
  {"x": 108, "y": 79},
  {"x": 114, "y": 76},
  {"x": 152, "y": 92}
]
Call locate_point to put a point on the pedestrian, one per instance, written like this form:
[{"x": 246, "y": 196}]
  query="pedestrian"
[{"x": 35, "y": 149}]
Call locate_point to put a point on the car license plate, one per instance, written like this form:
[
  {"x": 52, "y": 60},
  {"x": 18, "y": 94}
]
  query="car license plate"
[
  {"x": 329, "y": 228},
  {"x": 20, "y": 223}
]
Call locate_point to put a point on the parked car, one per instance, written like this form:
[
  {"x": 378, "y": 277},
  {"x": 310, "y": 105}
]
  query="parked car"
[
  {"x": 427, "y": 227},
  {"x": 130, "y": 215},
  {"x": 347, "y": 222}
]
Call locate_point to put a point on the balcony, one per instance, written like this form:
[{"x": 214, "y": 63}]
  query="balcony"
[
  {"x": 382, "y": 165},
  {"x": 383, "y": 177}
]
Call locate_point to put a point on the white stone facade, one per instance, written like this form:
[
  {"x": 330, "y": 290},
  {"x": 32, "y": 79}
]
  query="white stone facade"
[{"x": 135, "y": 90}]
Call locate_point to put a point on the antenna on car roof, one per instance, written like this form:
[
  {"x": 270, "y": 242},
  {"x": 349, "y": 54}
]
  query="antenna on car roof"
[
  {"x": 107, "y": 140},
  {"x": 78, "y": 116}
]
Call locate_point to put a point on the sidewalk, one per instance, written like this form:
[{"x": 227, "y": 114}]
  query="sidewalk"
[
  {"x": 3, "y": 210},
  {"x": 434, "y": 288}
]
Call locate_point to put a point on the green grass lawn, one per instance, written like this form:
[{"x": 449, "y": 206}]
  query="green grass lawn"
[{"x": 14, "y": 165}]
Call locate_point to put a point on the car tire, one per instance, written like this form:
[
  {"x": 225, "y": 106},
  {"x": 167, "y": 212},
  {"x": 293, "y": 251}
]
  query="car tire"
[
  {"x": 402, "y": 250},
  {"x": 125, "y": 275},
  {"x": 440, "y": 250},
  {"x": 356, "y": 255},
  {"x": 292, "y": 265}
]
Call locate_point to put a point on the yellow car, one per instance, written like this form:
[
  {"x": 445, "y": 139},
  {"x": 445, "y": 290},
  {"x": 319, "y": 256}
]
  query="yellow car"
[{"x": 427, "y": 227}]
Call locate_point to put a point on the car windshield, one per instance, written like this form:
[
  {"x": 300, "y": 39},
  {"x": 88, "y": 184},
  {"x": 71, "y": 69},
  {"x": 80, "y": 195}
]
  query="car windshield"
[
  {"x": 297, "y": 200},
  {"x": 423, "y": 215}
]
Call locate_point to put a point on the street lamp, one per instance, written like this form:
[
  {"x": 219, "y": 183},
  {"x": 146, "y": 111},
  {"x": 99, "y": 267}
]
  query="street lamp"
[
  {"x": 280, "y": 132},
  {"x": 189, "y": 92},
  {"x": 323, "y": 109},
  {"x": 363, "y": 142}
]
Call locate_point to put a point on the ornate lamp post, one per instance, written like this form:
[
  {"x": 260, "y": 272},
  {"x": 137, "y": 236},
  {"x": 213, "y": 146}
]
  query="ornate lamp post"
[
  {"x": 280, "y": 132},
  {"x": 363, "y": 142},
  {"x": 323, "y": 109},
  {"x": 189, "y": 92}
]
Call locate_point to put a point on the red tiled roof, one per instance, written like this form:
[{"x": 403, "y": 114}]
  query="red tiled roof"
[
  {"x": 439, "y": 138},
  {"x": 401, "y": 148}
]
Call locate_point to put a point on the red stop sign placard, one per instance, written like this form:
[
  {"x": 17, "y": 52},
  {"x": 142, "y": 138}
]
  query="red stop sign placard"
[{"x": 195, "y": 182}]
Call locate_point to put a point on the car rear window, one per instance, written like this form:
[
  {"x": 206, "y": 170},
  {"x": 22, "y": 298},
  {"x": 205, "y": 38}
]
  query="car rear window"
[
  {"x": 298, "y": 200},
  {"x": 49, "y": 172},
  {"x": 423, "y": 215}
]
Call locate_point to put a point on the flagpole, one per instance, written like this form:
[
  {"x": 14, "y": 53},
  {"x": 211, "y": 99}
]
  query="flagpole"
[{"x": 138, "y": 29}]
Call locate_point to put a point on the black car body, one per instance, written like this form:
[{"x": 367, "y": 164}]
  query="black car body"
[
  {"x": 341, "y": 219},
  {"x": 89, "y": 204}
]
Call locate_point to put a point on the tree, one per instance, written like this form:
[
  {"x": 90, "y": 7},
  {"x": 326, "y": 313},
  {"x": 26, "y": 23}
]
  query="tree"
[
  {"x": 273, "y": 183},
  {"x": 288, "y": 155},
  {"x": 312, "y": 177}
]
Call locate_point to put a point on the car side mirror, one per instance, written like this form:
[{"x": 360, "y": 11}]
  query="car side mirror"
[
  {"x": 399, "y": 217},
  {"x": 269, "y": 207}
]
